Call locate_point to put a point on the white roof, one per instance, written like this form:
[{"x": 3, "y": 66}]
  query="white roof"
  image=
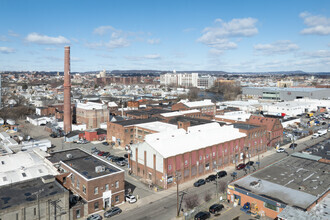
[
  {"x": 91, "y": 106},
  {"x": 235, "y": 117},
  {"x": 4, "y": 135},
  {"x": 112, "y": 104},
  {"x": 30, "y": 164},
  {"x": 158, "y": 126},
  {"x": 178, "y": 113},
  {"x": 205, "y": 102},
  {"x": 197, "y": 137}
]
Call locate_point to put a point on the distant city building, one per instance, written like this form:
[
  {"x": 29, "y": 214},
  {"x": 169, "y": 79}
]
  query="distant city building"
[
  {"x": 284, "y": 94},
  {"x": 186, "y": 80}
]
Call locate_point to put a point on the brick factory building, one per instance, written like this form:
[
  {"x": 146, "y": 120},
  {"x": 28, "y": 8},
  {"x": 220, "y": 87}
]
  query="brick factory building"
[
  {"x": 99, "y": 183},
  {"x": 274, "y": 128},
  {"x": 92, "y": 114},
  {"x": 190, "y": 153},
  {"x": 144, "y": 113},
  {"x": 205, "y": 107},
  {"x": 300, "y": 182}
]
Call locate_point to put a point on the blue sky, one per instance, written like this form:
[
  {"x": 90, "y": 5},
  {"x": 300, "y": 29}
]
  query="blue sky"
[{"x": 227, "y": 35}]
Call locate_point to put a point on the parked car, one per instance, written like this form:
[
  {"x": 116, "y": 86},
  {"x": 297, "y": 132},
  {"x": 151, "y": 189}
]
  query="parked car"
[
  {"x": 106, "y": 154},
  {"x": 111, "y": 212},
  {"x": 202, "y": 215},
  {"x": 216, "y": 208},
  {"x": 210, "y": 178},
  {"x": 113, "y": 158},
  {"x": 240, "y": 166},
  {"x": 221, "y": 174},
  {"x": 121, "y": 163},
  {"x": 126, "y": 155},
  {"x": 130, "y": 198},
  {"x": 293, "y": 145},
  {"x": 53, "y": 135},
  {"x": 95, "y": 217},
  {"x": 105, "y": 143},
  {"x": 280, "y": 150},
  {"x": 199, "y": 182},
  {"x": 249, "y": 163}
]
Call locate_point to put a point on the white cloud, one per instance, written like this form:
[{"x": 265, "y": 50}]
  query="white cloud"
[
  {"x": 316, "y": 24},
  {"x": 44, "y": 39},
  {"x": 278, "y": 47},
  {"x": 318, "y": 54},
  {"x": 4, "y": 38},
  {"x": 117, "y": 43},
  {"x": 103, "y": 30},
  {"x": 153, "y": 41},
  {"x": 152, "y": 56},
  {"x": 50, "y": 48},
  {"x": 12, "y": 33},
  {"x": 6, "y": 50},
  {"x": 217, "y": 37},
  {"x": 145, "y": 57}
]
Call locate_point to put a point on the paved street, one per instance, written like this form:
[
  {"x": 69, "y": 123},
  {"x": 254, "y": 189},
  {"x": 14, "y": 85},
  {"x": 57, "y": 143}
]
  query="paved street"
[{"x": 162, "y": 205}]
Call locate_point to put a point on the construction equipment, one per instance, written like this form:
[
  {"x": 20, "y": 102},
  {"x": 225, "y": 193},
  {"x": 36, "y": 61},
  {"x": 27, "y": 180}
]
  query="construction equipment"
[
  {"x": 254, "y": 209},
  {"x": 310, "y": 114}
]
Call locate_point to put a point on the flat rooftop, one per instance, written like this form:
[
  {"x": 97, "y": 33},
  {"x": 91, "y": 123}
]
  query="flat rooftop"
[
  {"x": 193, "y": 121},
  {"x": 321, "y": 149},
  {"x": 293, "y": 181},
  {"x": 245, "y": 126},
  {"x": 158, "y": 126},
  {"x": 136, "y": 121},
  {"x": 19, "y": 193},
  {"x": 83, "y": 163},
  {"x": 154, "y": 111}
]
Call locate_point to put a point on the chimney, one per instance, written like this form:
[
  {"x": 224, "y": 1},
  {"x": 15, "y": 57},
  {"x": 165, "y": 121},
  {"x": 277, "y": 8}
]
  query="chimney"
[
  {"x": 184, "y": 124},
  {"x": 67, "y": 91}
]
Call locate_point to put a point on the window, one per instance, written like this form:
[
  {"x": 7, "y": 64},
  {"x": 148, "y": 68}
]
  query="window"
[
  {"x": 16, "y": 216},
  {"x": 117, "y": 199},
  {"x": 131, "y": 129},
  {"x": 24, "y": 174},
  {"x": 96, "y": 190},
  {"x": 78, "y": 184},
  {"x": 4, "y": 179},
  {"x": 117, "y": 184},
  {"x": 96, "y": 205},
  {"x": 131, "y": 136},
  {"x": 35, "y": 211},
  {"x": 84, "y": 189},
  {"x": 169, "y": 167},
  {"x": 78, "y": 213},
  {"x": 186, "y": 162},
  {"x": 270, "y": 206},
  {"x": 72, "y": 179},
  {"x": 2, "y": 162},
  {"x": 106, "y": 187},
  {"x": 126, "y": 130}
]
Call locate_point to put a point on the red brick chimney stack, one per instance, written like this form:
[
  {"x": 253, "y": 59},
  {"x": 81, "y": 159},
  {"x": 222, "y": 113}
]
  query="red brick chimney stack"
[{"x": 67, "y": 91}]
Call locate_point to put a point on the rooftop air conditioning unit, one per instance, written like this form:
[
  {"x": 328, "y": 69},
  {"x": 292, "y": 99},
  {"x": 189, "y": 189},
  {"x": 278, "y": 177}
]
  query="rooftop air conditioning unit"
[
  {"x": 99, "y": 169},
  {"x": 69, "y": 156}
]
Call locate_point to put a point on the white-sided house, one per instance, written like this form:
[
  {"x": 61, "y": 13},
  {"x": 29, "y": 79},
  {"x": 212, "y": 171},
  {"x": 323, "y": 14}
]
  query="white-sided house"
[{"x": 39, "y": 120}]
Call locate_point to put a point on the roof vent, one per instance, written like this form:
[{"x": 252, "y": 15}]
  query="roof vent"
[
  {"x": 69, "y": 156},
  {"x": 172, "y": 135},
  {"x": 157, "y": 139},
  {"x": 48, "y": 179},
  {"x": 99, "y": 169}
]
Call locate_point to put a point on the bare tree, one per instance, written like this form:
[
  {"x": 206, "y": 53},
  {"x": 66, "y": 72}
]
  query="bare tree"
[
  {"x": 222, "y": 186},
  {"x": 191, "y": 201},
  {"x": 207, "y": 197}
]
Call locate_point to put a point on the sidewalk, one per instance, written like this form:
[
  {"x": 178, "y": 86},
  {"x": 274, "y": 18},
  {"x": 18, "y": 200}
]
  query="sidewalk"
[{"x": 229, "y": 169}]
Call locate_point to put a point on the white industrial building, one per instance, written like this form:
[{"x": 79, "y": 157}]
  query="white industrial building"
[
  {"x": 24, "y": 166},
  {"x": 187, "y": 80}
]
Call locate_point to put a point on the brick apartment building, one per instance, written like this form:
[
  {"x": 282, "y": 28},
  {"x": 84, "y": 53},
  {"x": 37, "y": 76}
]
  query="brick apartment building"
[
  {"x": 255, "y": 140},
  {"x": 97, "y": 182},
  {"x": 92, "y": 114},
  {"x": 127, "y": 132},
  {"x": 205, "y": 107},
  {"x": 187, "y": 153},
  {"x": 274, "y": 128}
]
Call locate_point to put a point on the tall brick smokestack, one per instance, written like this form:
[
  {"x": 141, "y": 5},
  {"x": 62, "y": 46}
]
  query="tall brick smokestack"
[{"x": 67, "y": 91}]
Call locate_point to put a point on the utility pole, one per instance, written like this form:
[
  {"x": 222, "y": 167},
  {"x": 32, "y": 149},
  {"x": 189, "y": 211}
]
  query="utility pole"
[{"x": 37, "y": 193}]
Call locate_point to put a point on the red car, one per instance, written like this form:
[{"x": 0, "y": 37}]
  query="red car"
[
  {"x": 240, "y": 166},
  {"x": 101, "y": 153}
]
